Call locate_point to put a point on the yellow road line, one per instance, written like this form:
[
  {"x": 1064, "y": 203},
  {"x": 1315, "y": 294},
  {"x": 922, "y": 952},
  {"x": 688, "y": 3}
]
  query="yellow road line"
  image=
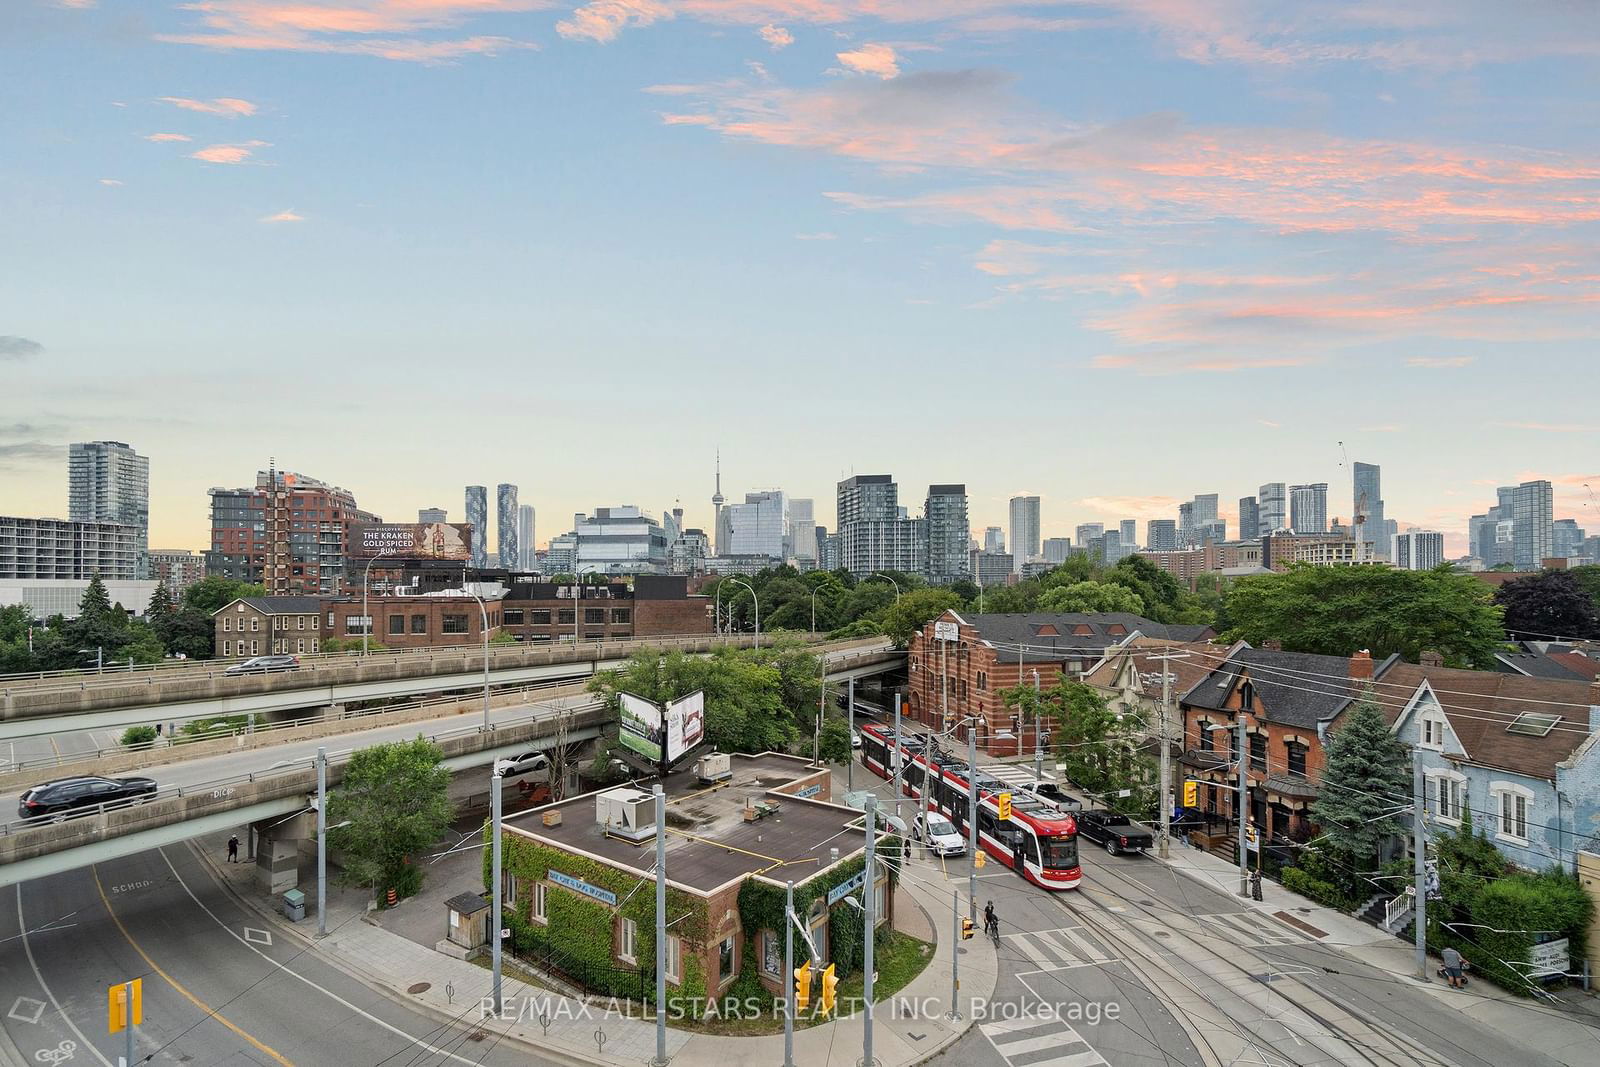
[{"x": 173, "y": 982}]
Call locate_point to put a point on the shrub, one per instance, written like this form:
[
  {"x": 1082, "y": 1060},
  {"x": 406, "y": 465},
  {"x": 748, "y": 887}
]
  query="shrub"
[{"x": 138, "y": 737}]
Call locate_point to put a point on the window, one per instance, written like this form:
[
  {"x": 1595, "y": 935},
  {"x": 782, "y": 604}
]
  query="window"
[
  {"x": 1247, "y": 696},
  {"x": 508, "y": 889},
  {"x": 1205, "y": 736},
  {"x": 1512, "y": 803},
  {"x": 674, "y": 959},
  {"x": 1258, "y": 753},
  {"x": 540, "y": 616},
  {"x": 419, "y": 624},
  {"x": 301, "y": 620},
  {"x": 397, "y": 624},
  {"x": 630, "y": 940},
  {"x": 513, "y": 616},
  {"x": 564, "y": 616},
  {"x": 594, "y": 616},
  {"x": 621, "y": 614},
  {"x": 727, "y": 960},
  {"x": 771, "y": 954},
  {"x": 358, "y": 624},
  {"x": 983, "y": 680},
  {"x": 227, "y": 648},
  {"x": 255, "y": 624},
  {"x": 880, "y": 901},
  {"x": 538, "y": 912},
  {"x": 330, "y": 620},
  {"x": 300, "y": 645},
  {"x": 254, "y": 648},
  {"x": 1448, "y": 792},
  {"x": 455, "y": 624},
  {"x": 1297, "y": 758},
  {"x": 227, "y": 624},
  {"x": 1533, "y": 724},
  {"x": 1432, "y": 730}
]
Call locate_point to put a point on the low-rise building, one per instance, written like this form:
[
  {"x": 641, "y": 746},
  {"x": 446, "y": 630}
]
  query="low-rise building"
[
  {"x": 427, "y": 620},
  {"x": 264, "y": 625},
  {"x": 1130, "y": 678},
  {"x": 573, "y": 872},
  {"x": 1279, "y": 550}
]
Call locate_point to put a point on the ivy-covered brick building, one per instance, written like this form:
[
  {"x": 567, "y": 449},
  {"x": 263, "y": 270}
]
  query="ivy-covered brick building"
[{"x": 580, "y": 898}]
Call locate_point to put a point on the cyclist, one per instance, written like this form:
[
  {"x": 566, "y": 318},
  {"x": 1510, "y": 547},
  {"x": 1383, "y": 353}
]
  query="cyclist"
[{"x": 991, "y": 922}]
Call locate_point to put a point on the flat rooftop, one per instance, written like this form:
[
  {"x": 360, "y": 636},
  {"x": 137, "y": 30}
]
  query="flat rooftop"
[{"x": 709, "y": 843}]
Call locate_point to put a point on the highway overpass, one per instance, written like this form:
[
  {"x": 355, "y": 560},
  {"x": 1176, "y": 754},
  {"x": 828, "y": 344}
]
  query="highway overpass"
[{"x": 31, "y": 706}]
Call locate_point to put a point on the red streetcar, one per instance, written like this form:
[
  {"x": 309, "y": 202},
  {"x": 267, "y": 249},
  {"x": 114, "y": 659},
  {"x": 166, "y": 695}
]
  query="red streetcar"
[{"x": 1039, "y": 840}]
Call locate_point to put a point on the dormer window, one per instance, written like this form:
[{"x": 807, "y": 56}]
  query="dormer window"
[
  {"x": 1247, "y": 696},
  {"x": 1083, "y": 629},
  {"x": 1047, "y": 630},
  {"x": 1431, "y": 729}
]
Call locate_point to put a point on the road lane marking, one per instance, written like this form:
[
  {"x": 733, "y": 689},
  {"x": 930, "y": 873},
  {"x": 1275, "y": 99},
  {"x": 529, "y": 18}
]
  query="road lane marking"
[
  {"x": 175, "y": 984},
  {"x": 26, "y": 1010},
  {"x": 1011, "y": 1041},
  {"x": 22, "y": 924},
  {"x": 330, "y": 994}
]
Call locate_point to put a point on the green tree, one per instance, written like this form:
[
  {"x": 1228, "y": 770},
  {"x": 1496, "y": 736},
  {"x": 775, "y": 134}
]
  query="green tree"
[
  {"x": 1553, "y": 604},
  {"x": 1366, "y": 782},
  {"x": 95, "y": 607},
  {"x": 913, "y": 611},
  {"x": 1092, "y": 596},
  {"x": 211, "y": 593},
  {"x": 1336, "y": 611},
  {"x": 396, "y": 800},
  {"x": 834, "y": 745},
  {"x": 160, "y": 608},
  {"x": 1099, "y": 752},
  {"x": 190, "y": 633},
  {"x": 1588, "y": 579}
]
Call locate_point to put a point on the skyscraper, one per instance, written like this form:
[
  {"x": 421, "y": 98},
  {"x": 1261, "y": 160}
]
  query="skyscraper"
[
  {"x": 1024, "y": 530},
  {"x": 478, "y": 516},
  {"x": 1308, "y": 508},
  {"x": 1249, "y": 518},
  {"x": 757, "y": 527},
  {"x": 1567, "y": 539},
  {"x": 802, "y": 544},
  {"x": 1128, "y": 532},
  {"x": 1161, "y": 535},
  {"x": 428, "y": 515},
  {"x": 107, "y": 481},
  {"x": 717, "y": 500},
  {"x": 1272, "y": 504},
  {"x": 1532, "y": 531},
  {"x": 1057, "y": 549},
  {"x": 525, "y": 537},
  {"x": 1366, "y": 515},
  {"x": 1088, "y": 531},
  {"x": 945, "y": 514},
  {"x": 873, "y": 533},
  {"x": 1418, "y": 550},
  {"x": 506, "y": 547},
  {"x": 1198, "y": 522}
]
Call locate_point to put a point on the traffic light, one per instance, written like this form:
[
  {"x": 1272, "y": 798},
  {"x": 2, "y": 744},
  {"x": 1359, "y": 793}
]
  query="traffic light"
[
  {"x": 980, "y": 859},
  {"x": 802, "y": 987},
  {"x": 1191, "y": 793},
  {"x": 966, "y": 929},
  {"x": 1003, "y": 806},
  {"x": 830, "y": 981}
]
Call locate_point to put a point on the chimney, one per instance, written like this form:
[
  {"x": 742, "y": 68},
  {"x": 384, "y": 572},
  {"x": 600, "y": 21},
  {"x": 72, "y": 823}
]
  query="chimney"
[
  {"x": 1432, "y": 659},
  {"x": 1361, "y": 666},
  {"x": 1272, "y": 644}
]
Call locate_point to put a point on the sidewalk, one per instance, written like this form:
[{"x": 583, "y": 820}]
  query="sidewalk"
[
  {"x": 1561, "y": 1033},
  {"x": 452, "y": 990}
]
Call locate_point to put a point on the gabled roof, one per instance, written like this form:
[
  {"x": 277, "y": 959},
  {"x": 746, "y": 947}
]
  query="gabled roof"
[
  {"x": 1293, "y": 688},
  {"x": 1075, "y": 633},
  {"x": 1543, "y": 665},
  {"x": 1151, "y": 657},
  {"x": 278, "y": 605},
  {"x": 1481, "y": 704}
]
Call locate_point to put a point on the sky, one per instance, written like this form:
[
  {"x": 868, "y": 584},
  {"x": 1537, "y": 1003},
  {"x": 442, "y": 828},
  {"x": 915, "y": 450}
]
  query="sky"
[{"x": 1111, "y": 253}]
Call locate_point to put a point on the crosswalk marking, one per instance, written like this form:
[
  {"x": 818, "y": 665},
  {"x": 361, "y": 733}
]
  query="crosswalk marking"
[
  {"x": 1014, "y": 1038},
  {"x": 1058, "y": 950},
  {"x": 1255, "y": 928}
]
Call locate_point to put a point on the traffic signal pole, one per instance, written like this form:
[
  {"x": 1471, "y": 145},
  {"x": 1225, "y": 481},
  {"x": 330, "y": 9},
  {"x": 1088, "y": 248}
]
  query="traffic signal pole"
[
  {"x": 788, "y": 970},
  {"x": 954, "y": 1014}
]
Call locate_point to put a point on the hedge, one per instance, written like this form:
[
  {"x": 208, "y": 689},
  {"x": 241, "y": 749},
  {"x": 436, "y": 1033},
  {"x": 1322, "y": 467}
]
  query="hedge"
[{"x": 1505, "y": 920}]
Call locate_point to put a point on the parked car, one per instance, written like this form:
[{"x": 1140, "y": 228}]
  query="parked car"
[
  {"x": 525, "y": 762},
  {"x": 938, "y": 833},
  {"x": 1117, "y": 833},
  {"x": 264, "y": 665},
  {"x": 855, "y": 738},
  {"x": 66, "y": 795}
]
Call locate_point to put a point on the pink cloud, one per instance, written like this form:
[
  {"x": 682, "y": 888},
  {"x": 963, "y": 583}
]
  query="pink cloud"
[
  {"x": 776, "y": 36},
  {"x": 228, "y": 153},
  {"x": 603, "y": 20},
  {"x": 286, "y": 215},
  {"x": 386, "y": 29},
  {"x": 160, "y": 138},
  {"x": 875, "y": 59},
  {"x": 224, "y": 106},
  {"x": 1440, "y": 362}
]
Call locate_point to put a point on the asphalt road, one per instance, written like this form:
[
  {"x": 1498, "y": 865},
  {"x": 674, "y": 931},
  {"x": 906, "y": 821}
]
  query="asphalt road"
[{"x": 218, "y": 987}]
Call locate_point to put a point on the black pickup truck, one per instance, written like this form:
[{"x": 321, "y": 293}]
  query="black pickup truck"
[{"x": 1117, "y": 833}]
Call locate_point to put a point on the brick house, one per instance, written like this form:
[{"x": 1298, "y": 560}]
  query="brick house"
[
  {"x": 1129, "y": 677},
  {"x": 413, "y": 621},
  {"x": 1290, "y": 702},
  {"x": 264, "y": 625},
  {"x": 994, "y": 652}
]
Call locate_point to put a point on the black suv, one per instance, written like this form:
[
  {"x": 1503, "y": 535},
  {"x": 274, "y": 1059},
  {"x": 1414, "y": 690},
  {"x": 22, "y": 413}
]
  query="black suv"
[{"x": 70, "y": 794}]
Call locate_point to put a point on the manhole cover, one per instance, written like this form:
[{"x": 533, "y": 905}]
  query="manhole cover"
[{"x": 419, "y": 987}]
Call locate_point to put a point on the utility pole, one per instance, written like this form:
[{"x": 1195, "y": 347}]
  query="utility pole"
[
  {"x": 1419, "y": 846},
  {"x": 497, "y": 916},
  {"x": 849, "y": 767},
  {"x": 661, "y": 929},
  {"x": 944, "y": 685},
  {"x": 1166, "y": 764},
  {"x": 1038, "y": 743},
  {"x": 1244, "y": 810},
  {"x": 898, "y": 757},
  {"x": 822, "y": 703},
  {"x": 869, "y": 890},
  {"x": 972, "y": 819},
  {"x": 788, "y": 974},
  {"x": 322, "y": 842},
  {"x": 954, "y": 1014}
]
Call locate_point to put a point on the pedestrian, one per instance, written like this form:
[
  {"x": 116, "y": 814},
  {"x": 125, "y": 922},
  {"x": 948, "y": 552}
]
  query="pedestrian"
[
  {"x": 1255, "y": 884},
  {"x": 233, "y": 849},
  {"x": 1453, "y": 965}
]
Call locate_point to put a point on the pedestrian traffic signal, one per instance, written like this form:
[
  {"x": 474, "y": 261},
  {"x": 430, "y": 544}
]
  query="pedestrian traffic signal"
[
  {"x": 967, "y": 927},
  {"x": 1191, "y": 793},
  {"x": 830, "y": 982},
  {"x": 1003, "y": 806},
  {"x": 802, "y": 986},
  {"x": 980, "y": 859},
  {"x": 125, "y": 1005}
]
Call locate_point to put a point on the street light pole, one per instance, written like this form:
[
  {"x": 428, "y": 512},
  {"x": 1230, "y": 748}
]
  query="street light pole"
[
  {"x": 1038, "y": 744},
  {"x": 483, "y": 612},
  {"x": 1166, "y": 766},
  {"x": 322, "y": 841},
  {"x": 1420, "y": 847},
  {"x": 1244, "y": 807},
  {"x": 850, "y": 711},
  {"x": 366, "y": 582},
  {"x": 870, "y": 891},
  {"x": 757, "y": 600},
  {"x": 972, "y": 819},
  {"x": 496, "y": 916},
  {"x": 891, "y": 581},
  {"x": 661, "y": 929}
]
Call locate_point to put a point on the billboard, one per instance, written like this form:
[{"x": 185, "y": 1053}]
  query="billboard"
[
  {"x": 412, "y": 540},
  {"x": 640, "y": 726},
  {"x": 686, "y": 724}
]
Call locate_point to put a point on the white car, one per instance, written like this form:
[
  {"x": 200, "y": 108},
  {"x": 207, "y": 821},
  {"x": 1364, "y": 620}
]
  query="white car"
[
  {"x": 938, "y": 834},
  {"x": 855, "y": 738},
  {"x": 525, "y": 763}
]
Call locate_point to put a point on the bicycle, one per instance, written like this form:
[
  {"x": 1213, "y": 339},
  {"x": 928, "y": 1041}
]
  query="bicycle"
[{"x": 992, "y": 928}]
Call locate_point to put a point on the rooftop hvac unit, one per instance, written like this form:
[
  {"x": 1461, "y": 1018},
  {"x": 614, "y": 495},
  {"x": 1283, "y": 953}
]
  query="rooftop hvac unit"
[
  {"x": 626, "y": 813},
  {"x": 715, "y": 767}
]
